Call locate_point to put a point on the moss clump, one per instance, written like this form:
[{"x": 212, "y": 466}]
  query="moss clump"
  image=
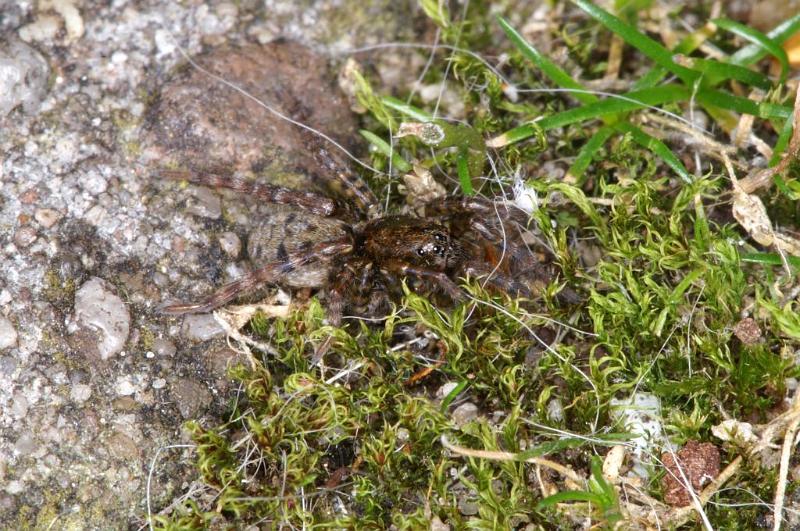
[{"x": 341, "y": 429}]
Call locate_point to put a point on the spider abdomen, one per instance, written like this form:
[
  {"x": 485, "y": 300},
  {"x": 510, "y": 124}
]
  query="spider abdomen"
[{"x": 283, "y": 234}]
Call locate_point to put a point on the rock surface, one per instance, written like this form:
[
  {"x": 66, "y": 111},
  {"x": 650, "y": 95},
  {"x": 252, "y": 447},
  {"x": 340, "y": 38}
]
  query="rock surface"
[{"x": 93, "y": 381}]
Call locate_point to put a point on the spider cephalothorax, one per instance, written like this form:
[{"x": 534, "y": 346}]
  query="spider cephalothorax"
[{"x": 359, "y": 257}]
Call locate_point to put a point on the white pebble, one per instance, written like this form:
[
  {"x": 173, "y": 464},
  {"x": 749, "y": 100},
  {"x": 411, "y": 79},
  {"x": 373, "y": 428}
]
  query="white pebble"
[
  {"x": 80, "y": 393},
  {"x": 99, "y": 309},
  {"x": 8, "y": 334},
  {"x": 23, "y": 77}
]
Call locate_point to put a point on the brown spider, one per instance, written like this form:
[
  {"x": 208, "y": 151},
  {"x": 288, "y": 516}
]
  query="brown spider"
[{"x": 353, "y": 253}]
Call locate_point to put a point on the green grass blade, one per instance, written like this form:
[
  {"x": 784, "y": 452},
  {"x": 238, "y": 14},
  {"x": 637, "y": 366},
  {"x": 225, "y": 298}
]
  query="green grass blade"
[
  {"x": 782, "y": 142},
  {"x": 686, "y": 46},
  {"x": 658, "y": 147},
  {"x": 756, "y": 37},
  {"x": 741, "y": 105},
  {"x": 626, "y": 102},
  {"x": 587, "y": 153},
  {"x": 568, "y": 496},
  {"x": 382, "y": 146},
  {"x": 452, "y": 395},
  {"x": 772, "y": 259},
  {"x": 613, "y": 105},
  {"x": 652, "y": 49},
  {"x": 716, "y": 72},
  {"x": 754, "y": 52},
  {"x": 404, "y": 108},
  {"x": 550, "y": 69},
  {"x": 464, "y": 178}
]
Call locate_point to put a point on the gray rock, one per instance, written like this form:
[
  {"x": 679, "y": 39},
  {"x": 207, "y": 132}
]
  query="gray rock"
[
  {"x": 190, "y": 396},
  {"x": 8, "y": 334},
  {"x": 46, "y": 217},
  {"x": 200, "y": 327},
  {"x": 467, "y": 507},
  {"x": 80, "y": 393},
  {"x": 464, "y": 413},
  {"x": 24, "y": 236},
  {"x": 164, "y": 347},
  {"x": 98, "y": 309},
  {"x": 23, "y": 77},
  {"x": 230, "y": 244},
  {"x": 206, "y": 204}
]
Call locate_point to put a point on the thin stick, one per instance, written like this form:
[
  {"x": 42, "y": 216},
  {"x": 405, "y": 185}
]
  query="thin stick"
[{"x": 786, "y": 453}]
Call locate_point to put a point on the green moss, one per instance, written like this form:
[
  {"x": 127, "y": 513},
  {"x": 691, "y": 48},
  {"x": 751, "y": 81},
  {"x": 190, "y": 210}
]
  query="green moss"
[{"x": 338, "y": 429}]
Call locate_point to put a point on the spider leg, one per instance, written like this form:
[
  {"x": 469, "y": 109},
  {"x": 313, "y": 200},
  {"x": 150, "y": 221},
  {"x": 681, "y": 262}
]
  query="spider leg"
[
  {"x": 499, "y": 280},
  {"x": 341, "y": 282},
  {"x": 476, "y": 205},
  {"x": 344, "y": 180},
  {"x": 378, "y": 294},
  {"x": 309, "y": 201},
  {"x": 440, "y": 278},
  {"x": 267, "y": 273}
]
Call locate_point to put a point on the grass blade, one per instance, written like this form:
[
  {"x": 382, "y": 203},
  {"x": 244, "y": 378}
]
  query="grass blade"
[
  {"x": 550, "y": 69},
  {"x": 587, "y": 153},
  {"x": 779, "y": 34},
  {"x": 463, "y": 173},
  {"x": 756, "y": 37},
  {"x": 782, "y": 142},
  {"x": 615, "y": 105},
  {"x": 404, "y": 108},
  {"x": 741, "y": 105},
  {"x": 655, "y": 51},
  {"x": 383, "y": 147},
  {"x": 658, "y": 147},
  {"x": 716, "y": 72},
  {"x": 772, "y": 259}
]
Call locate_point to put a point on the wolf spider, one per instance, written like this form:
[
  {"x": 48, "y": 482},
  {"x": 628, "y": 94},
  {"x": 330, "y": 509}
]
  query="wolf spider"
[{"x": 354, "y": 253}]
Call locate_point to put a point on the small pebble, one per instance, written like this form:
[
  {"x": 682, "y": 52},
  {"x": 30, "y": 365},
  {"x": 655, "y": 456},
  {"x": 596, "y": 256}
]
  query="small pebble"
[
  {"x": 24, "y": 236},
  {"x": 99, "y": 309},
  {"x": 46, "y": 217},
  {"x": 191, "y": 397},
  {"x": 159, "y": 383},
  {"x": 8, "y": 334},
  {"x": 124, "y": 387},
  {"x": 464, "y": 413},
  {"x": 23, "y": 77},
  {"x": 200, "y": 327},
  {"x": 445, "y": 389},
  {"x": 206, "y": 204},
  {"x": 80, "y": 393},
  {"x": 230, "y": 244},
  {"x": 467, "y": 507},
  {"x": 164, "y": 347}
]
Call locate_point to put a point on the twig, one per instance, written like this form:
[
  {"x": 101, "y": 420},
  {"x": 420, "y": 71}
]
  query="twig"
[
  {"x": 765, "y": 177},
  {"x": 786, "y": 453},
  {"x": 510, "y": 456}
]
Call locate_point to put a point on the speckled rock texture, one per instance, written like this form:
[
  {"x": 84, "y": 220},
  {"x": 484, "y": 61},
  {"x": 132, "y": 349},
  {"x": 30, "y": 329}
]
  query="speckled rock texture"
[{"x": 95, "y": 384}]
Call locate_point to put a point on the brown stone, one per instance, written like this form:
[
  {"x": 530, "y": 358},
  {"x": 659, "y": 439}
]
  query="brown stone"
[{"x": 699, "y": 463}]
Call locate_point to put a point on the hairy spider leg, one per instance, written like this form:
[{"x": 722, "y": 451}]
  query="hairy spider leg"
[
  {"x": 341, "y": 282},
  {"x": 439, "y": 277},
  {"x": 349, "y": 183},
  {"x": 268, "y": 273},
  {"x": 309, "y": 201}
]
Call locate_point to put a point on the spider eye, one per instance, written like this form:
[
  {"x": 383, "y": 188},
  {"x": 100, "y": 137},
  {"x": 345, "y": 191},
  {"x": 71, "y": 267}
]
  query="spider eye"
[
  {"x": 439, "y": 237},
  {"x": 421, "y": 251},
  {"x": 438, "y": 249}
]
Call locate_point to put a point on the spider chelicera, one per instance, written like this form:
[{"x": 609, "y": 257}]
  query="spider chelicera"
[{"x": 357, "y": 256}]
